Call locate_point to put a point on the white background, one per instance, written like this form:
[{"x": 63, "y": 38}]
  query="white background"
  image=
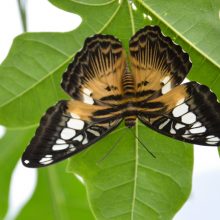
[{"x": 204, "y": 201}]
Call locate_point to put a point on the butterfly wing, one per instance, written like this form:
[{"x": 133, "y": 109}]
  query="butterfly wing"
[
  {"x": 93, "y": 80},
  {"x": 158, "y": 64},
  {"x": 66, "y": 129},
  {"x": 190, "y": 112},
  {"x": 96, "y": 71}
]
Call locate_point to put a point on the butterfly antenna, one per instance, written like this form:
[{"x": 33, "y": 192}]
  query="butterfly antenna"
[
  {"x": 112, "y": 148},
  {"x": 142, "y": 144}
]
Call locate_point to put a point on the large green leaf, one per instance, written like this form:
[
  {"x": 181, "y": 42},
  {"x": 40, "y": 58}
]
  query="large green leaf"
[
  {"x": 197, "y": 22},
  {"x": 129, "y": 183},
  {"x": 58, "y": 194}
]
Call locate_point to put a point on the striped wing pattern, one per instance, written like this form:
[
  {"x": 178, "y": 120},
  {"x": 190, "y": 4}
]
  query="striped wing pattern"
[
  {"x": 66, "y": 129},
  {"x": 189, "y": 112},
  {"x": 158, "y": 65},
  {"x": 105, "y": 91},
  {"x": 98, "y": 67}
]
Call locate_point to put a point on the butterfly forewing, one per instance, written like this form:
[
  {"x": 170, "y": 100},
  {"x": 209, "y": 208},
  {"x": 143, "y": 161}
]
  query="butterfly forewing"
[
  {"x": 157, "y": 63},
  {"x": 96, "y": 71},
  {"x": 189, "y": 112},
  {"x": 66, "y": 129},
  {"x": 93, "y": 80}
]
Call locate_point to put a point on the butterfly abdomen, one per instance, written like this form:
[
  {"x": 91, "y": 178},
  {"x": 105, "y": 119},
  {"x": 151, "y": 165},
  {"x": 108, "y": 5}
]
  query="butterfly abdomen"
[
  {"x": 129, "y": 93},
  {"x": 128, "y": 84},
  {"x": 130, "y": 121}
]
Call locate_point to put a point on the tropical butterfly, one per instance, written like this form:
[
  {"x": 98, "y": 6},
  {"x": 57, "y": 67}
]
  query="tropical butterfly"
[{"x": 105, "y": 90}]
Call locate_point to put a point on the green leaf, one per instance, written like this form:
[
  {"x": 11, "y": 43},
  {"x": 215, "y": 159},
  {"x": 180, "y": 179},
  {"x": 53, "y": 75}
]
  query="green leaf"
[
  {"x": 129, "y": 183},
  {"x": 58, "y": 194},
  {"x": 197, "y": 22}
]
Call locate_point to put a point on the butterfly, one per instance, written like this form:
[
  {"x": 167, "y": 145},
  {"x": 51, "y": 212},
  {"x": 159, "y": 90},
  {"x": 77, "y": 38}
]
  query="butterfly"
[{"x": 106, "y": 90}]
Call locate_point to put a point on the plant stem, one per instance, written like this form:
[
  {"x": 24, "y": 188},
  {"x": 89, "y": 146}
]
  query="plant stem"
[{"x": 22, "y": 11}]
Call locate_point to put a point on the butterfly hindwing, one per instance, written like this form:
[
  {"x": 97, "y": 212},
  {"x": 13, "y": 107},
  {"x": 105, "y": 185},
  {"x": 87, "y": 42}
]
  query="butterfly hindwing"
[
  {"x": 157, "y": 63},
  {"x": 66, "y": 129},
  {"x": 96, "y": 70},
  {"x": 189, "y": 112}
]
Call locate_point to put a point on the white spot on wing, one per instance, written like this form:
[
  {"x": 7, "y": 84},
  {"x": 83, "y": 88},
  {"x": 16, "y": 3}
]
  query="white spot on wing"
[
  {"x": 172, "y": 131},
  {"x": 85, "y": 141},
  {"x": 164, "y": 124},
  {"x": 187, "y": 136},
  {"x": 189, "y": 118},
  {"x": 72, "y": 147},
  {"x": 88, "y": 100},
  {"x": 197, "y": 124},
  {"x": 75, "y": 124},
  {"x": 180, "y": 101},
  {"x": 60, "y": 141},
  {"x": 210, "y": 136},
  {"x": 165, "y": 79},
  {"x": 45, "y": 160},
  {"x": 166, "y": 88},
  {"x": 178, "y": 126},
  {"x": 67, "y": 133},
  {"x": 58, "y": 147},
  {"x": 78, "y": 138},
  {"x": 87, "y": 91},
  {"x": 96, "y": 133},
  {"x": 180, "y": 110},
  {"x": 75, "y": 115},
  {"x": 86, "y": 96},
  {"x": 198, "y": 130},
  {"x": 212, "y": 143},
  {"x": 214, "y": 139},
  {"x": 26, "y": 161}
]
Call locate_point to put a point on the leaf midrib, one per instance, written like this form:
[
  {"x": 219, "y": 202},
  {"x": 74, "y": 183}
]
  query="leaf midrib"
[
  {"x": 135, "y": 172},
  {"x": 136, "y": 132}
]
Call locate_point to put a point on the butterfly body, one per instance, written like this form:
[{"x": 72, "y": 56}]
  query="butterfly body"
[
  {"x": 104, "y": 91},
  {"x": 129, "y": 95}
]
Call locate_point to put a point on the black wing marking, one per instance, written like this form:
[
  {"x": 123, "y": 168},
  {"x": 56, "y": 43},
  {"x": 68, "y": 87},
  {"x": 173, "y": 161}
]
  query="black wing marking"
[
  {"x": 65, "y": 130},
  {"x": 190, "y": 113},
  {"x": 157, "y": 63},
  {"x": 96, "y": 71}
]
